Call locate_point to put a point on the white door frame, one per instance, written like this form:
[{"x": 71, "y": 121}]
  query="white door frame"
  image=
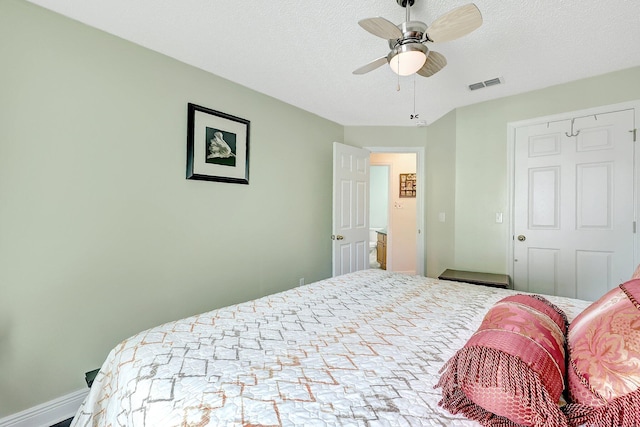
[
  {"x": 420, "y": 177},
  {"x": 511, "y": 140}
]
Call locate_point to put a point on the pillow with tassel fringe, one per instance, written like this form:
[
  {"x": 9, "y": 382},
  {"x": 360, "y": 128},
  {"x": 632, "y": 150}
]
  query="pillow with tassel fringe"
[
  {"x": 511, "y": 371},
  {"x": 604, "y": 361}
]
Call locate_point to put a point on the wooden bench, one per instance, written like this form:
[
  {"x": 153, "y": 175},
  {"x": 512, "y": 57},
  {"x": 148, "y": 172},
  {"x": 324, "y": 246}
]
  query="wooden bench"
[{"x": 476, "y": 278}]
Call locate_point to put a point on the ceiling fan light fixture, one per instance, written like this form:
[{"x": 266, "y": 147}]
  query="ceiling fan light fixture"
[{"x": 408, "y": 58}]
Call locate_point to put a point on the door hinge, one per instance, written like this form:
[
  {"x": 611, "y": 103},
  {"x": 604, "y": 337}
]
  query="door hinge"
[
  {"x": 634, "y": 132},
  {"x": 634, "y": 227}
]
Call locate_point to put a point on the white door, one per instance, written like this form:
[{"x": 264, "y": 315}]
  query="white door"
[
  {"x": 574, "y": 205},
  {"x": 350, "y": 209}
]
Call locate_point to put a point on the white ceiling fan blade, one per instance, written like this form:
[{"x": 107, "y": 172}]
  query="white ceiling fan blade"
[
  {"x": 454, "y": 24},
  {"x": 434, "y": 63},
  {"x": 371, "y": 66},
  {"x": 381, "y": 27}
]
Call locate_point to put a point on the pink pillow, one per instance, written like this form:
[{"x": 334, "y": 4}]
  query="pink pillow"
[
  {"x": 636, "y": 274},
  {"x": 604, "y": 360},
  {"x": 511, "y": 371}
]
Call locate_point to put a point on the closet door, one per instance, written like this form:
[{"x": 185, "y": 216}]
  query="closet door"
[{"x": 574, "y": 205}]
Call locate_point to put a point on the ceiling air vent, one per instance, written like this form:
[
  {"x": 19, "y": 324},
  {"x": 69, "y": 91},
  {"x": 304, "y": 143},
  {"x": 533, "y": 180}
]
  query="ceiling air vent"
[{"x": 486, "y": 83}]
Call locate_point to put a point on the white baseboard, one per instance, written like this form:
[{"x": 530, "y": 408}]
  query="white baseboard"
[{"x": 48, "y": 413}]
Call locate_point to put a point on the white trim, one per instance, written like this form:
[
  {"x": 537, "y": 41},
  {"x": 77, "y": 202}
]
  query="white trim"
[
  {"x": 48, "y": 413},
  {"x": 511, "y": 139},
  {"x": 421, "y": 185}
]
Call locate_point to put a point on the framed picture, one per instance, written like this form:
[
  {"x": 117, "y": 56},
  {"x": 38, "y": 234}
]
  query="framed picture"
[
  {"x": 217, "y": 146},
  {"x": 407, "y": 185}
]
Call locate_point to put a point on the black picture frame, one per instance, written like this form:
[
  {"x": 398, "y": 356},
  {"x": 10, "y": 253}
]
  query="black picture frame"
[{"x": 217, "y": 146}]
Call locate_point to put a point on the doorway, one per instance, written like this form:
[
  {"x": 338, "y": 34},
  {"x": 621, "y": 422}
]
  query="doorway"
[{"x": 404, "y": 207}]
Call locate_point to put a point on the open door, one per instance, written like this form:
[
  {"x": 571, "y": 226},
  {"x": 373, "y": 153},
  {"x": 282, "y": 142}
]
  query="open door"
[{"x": 350, "y": 209}]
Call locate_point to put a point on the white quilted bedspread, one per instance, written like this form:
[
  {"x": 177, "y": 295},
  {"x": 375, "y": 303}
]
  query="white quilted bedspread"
[{"x": 362, "y": 349}]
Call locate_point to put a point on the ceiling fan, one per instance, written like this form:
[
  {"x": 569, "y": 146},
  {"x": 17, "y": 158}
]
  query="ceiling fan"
[{"x": 409, "y": 54}]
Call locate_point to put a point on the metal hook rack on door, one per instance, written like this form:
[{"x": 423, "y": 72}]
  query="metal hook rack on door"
[{"x": 572, "y": 134}]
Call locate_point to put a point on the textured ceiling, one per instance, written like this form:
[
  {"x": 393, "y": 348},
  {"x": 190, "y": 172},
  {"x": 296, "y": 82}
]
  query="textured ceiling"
[{"x": 304, "y": 52}]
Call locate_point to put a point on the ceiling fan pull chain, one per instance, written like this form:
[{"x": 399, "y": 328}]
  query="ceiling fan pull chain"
[
  {"x": 414, "y": 115},
  {"x": 414, "y": 97}
]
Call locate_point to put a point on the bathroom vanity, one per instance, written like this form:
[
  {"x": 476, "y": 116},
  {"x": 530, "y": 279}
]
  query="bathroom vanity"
[{"x": 382, "y": 249}]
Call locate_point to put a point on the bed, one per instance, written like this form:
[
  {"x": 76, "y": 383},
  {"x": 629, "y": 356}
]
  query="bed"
[{"x": 362, "y": 349}]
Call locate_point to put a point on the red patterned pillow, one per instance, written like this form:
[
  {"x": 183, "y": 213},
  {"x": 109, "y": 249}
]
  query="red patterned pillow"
[
  {"x": 604, "y": 360},
  {"x": 511, "y": 371}
]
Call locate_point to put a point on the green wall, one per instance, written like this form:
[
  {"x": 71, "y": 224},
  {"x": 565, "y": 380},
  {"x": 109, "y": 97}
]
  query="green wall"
[
  {"x": 481, "y": 159},
  {"x": 440, "y": 198},
  {"x": 101, "y": 235}
]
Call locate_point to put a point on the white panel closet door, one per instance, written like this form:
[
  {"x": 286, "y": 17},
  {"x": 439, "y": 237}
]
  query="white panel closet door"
[{"x": 573, "y": 205}]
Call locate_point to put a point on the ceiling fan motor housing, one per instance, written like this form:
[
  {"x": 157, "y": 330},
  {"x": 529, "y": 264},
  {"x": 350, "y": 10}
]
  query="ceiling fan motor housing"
[{"x": 412, "y": 32}]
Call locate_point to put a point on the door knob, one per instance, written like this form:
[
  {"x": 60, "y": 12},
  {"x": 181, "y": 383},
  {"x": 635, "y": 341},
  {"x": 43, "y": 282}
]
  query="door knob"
[
  {"x": 522, "y": 238},
  {"x": 338, "y": 237}
]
